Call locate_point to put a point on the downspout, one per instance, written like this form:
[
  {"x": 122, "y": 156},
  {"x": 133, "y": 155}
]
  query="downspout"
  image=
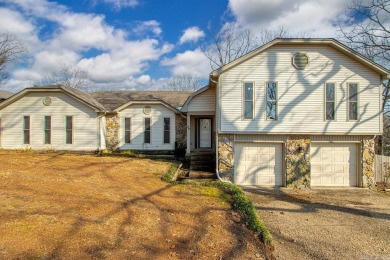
[
  {"x": 216, "y": 139},
  {"x": 102, "y": 132}
]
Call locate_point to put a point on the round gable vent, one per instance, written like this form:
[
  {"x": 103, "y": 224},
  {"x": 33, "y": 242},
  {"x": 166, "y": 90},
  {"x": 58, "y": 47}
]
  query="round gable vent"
[
  {"x": 147, "y": 110},
  {"x": 46, "y": 101},
  {"x": 300, "y": 60}
]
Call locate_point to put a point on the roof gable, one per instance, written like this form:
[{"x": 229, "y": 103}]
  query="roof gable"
[
  {"x": 79, "y": 95},
  {"x": 313, "y": 41},
  {"x": 190, "y": 97}
]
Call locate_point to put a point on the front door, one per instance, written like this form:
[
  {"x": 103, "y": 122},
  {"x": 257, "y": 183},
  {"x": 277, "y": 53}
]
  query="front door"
[{"x": 204, "y": 133}]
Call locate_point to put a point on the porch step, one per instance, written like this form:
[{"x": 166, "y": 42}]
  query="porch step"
[
  {"x": 202, "y": 161},
  {"x": 202, "y": 175}
]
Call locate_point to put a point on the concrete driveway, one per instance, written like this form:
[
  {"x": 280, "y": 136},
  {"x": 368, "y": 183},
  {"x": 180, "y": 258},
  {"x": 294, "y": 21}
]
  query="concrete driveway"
[{"x": 350, "y": 223}]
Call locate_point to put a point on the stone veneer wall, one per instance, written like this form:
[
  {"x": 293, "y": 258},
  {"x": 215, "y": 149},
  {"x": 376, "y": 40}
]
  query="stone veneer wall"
[
  {"x": 297, "y": 162},
  {"x": 368, "y": 159},
  {"x": 112, "y": 131},
  {"x": 181, "y": 132},
  {"x": 226, "y": 156}
]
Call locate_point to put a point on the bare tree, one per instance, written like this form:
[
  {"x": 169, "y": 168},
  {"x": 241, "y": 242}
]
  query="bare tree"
[
  {"x": 227, "y": 45},
  {"x": 70, "y": 76},
  {"x": 233, "y": 42},
  {"x": 370, "y": 36},
  {"x": 184, "y": 83},
  {"x": 10, "y": 51}
]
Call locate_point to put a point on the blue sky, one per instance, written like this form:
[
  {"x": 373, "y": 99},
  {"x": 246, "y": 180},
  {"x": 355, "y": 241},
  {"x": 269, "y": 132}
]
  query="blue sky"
[{"x": 140, "y": 44}]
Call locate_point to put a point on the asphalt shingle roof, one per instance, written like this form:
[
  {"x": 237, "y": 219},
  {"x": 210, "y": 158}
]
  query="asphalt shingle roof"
[
  {"x": 5, "y": 94},
  {"x": 114, "y": 99}
]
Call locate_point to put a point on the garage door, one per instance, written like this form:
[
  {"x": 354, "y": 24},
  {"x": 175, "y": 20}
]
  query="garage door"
[
  {"x": 258, "y": 164},
  {"x": 333, "y": 165}
]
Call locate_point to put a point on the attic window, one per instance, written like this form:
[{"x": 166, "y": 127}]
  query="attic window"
[
  {"x": 147, "y": 110},
  {"x": 300, "y": 60}
]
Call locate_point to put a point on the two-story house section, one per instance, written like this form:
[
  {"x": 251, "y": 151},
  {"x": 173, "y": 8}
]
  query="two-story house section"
[{"x": 296, "y": 112}]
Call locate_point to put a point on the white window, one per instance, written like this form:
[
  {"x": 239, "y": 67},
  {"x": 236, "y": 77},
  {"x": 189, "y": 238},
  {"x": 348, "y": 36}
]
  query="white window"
[
  {"x": 26, "y": 129},
  {"x": 248, "y": 100},
  {"x": 167, "y": 130},
  {"x": 330, "y": 101},
  {"x": 353, "y": 101},
  {"x": 47, "y": 130},
  {"x": 272, "y": 92},
  {"x": 147, "y": 131},
  {"x": 127, "y": 130},
  {"x": 69, "y": 129}
]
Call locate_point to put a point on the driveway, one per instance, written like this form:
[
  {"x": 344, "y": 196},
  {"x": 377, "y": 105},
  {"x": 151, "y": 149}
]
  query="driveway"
[{"x": 350, "y": 223}]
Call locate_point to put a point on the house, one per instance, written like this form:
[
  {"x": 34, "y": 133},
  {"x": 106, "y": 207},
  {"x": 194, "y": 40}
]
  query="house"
[
  {"x": 63, "y": 118},
  {"x": 52, "y": 117},
  {"x": 294, "y": 112},
  {"x": 144, "y": 120}
]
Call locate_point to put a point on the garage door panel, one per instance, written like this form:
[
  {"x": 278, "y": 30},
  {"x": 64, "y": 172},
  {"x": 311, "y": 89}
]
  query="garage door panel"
[
  {"x": 251, "y": 157},
  {"x": 333, "y": 165},
  {"x": 267, "y": 158},
  {"x": 258, "y": 164},
  {"x": 340, "y": 158}
]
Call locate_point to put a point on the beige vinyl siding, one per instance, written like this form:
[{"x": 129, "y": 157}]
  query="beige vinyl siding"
[
  {"x": 204, "y": 102},
  {"x": 157, "y": 114},
  {"x": 300, "y": 93},
  {"x": 86, "y": 123}
]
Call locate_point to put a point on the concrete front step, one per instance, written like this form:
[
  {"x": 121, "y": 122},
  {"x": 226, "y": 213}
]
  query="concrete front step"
[
  {"x": 202, "y": 175},
  {"x": 201, "y": 156},
  {"x": 202, "y": 161},
  {"x": 204, "y": 167}
]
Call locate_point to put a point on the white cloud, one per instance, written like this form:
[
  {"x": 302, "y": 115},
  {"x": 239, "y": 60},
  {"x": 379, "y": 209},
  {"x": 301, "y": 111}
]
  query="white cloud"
[
  {"x": 119, "y": 4},
  {"x": 191, "y": 34},
  {"x": 119, "y": 64},
  {"x": 193, "y": 63},
  {"x": 143, "y": 82},
  {"x": 111, "y": 56},
  {"x": 145, "y": 26},
  {"x": 15, "y": 23},
  {"x": 317, "y": 18}
]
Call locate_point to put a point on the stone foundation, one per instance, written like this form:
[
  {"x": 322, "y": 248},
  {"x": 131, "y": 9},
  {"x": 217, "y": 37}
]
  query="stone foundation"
[
  {"x": 226, "y": 157},
  {"x": 298, "y": 161},
  {"x": 181, "y": 132},
  {"x": 112, "y": 131},
  {"x": 368, "y": 159}
]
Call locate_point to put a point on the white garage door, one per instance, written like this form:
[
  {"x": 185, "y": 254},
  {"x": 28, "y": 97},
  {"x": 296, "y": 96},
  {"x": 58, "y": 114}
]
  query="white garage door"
[
  {"x": 258, "y": 164},
  {"x": 333, "y": 165}
]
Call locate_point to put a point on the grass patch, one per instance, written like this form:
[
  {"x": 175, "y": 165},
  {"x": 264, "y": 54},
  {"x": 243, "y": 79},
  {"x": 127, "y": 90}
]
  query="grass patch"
[
  {"x": 237, "y": 198},
  {"x": 167, "y": 177}
]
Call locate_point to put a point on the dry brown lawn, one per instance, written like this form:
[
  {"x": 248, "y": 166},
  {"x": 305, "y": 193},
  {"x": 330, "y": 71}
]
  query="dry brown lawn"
[{"x": 82, "y": 206}]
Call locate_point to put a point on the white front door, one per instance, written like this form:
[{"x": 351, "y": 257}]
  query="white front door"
[
  {"x": 205, "y": 133},
  {"x": 333, "y": 164},
  {"x": 258, "y": 164}
]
